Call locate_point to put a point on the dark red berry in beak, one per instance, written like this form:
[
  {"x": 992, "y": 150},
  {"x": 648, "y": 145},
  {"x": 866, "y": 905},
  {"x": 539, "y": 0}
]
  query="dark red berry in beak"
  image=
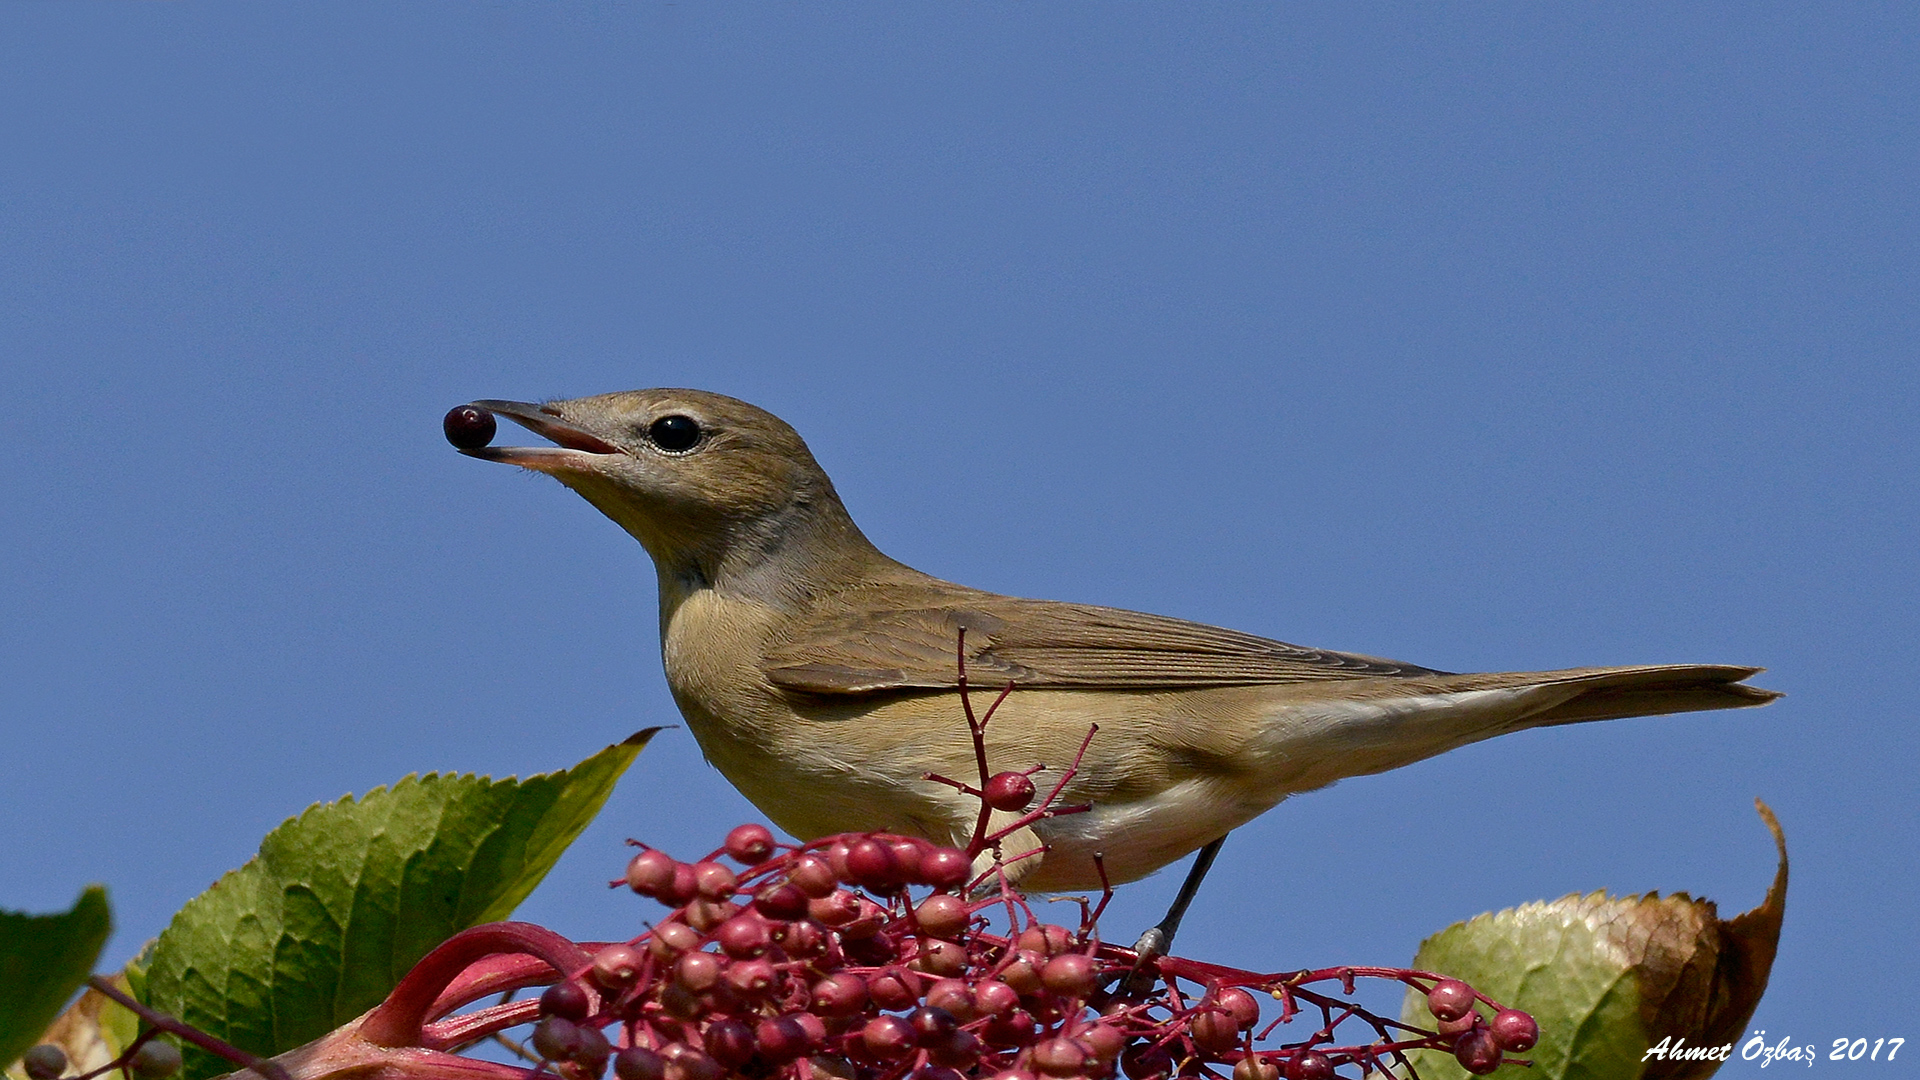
[{"x": 469, "y": 427}]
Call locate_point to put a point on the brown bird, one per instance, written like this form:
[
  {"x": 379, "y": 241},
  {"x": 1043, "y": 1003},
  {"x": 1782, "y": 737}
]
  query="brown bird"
[{"x": 819, "y": 675}]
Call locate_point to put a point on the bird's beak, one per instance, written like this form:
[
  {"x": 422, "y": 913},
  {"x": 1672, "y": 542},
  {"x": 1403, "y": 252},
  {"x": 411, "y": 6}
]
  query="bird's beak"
[{"x": 578, "y": 450}]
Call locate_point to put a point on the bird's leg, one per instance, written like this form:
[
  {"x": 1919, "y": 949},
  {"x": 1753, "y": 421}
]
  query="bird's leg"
[{"x": 1159, "y": 938}]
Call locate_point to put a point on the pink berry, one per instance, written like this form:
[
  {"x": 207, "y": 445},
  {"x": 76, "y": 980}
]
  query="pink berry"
[
  {"x": 743, "y": 936},
  {"x": 814, "y": 876},
  {"x": 1477, "y": 1052},
  {"x": 1059, "y": 1057},
  {"x": 954, "y": 996},
  {"x": 991, "y": 997},
  {"x": 941, "y": 958},
  {"x": 930, "y": 1025},
  {"x": 894, "y": 988},
  {"x": 714, "y": 881},
  {"x": 1008, "y": 791},
  {"x": 803, "y": 938},
  {"x": 1013, "y": 1029},
  {"x": 840, "y": 994},
  {"x": 615, "y": 967},
  {"x": 556, "y": 1038},
  {"x": 1023, "y": 971},
  {"x": 650, "y": 873},
  {"x": 888, "y": 1037},
  {"x": 1450, "y": 999},
  {"x": 946, "y": 868},
  {"x": 752, "y": 978},
  {"x": 683, "y": 888},
  {"x": 955, "y": 1050},
  {"x": 1072, "y": 975},
  {"x": 872, "y": 863},
  {"x": 838, "y": 909},
  {"x": 781, "y": 902},
  {"x": 704, "y": 915},
  {"x": 943, "y": 916},
  {"x": 1104, "y": 1042},
  {"x": 697, "y": 971},
  {"x": 1241, "y": 1006},
  {"x": 670, "y": 939},
  {"x": 1046, "y": 939},
  {"x": 1459, "y": 1026},
  {"x": 1214, "y": 1031},
  {"x": 907, "y": 855},
  {"x": 1514, "y": 1030},
  {"x": 750, "y": 844},
  {"x": 781, "y": 1038}
]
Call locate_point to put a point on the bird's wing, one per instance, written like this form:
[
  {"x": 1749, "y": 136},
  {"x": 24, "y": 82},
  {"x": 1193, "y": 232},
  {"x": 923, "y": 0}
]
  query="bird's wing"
[{"x": 889, "y": 639}]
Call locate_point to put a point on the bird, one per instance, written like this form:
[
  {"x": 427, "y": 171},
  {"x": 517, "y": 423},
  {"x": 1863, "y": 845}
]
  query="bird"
[{"x": 820, "y": 676}]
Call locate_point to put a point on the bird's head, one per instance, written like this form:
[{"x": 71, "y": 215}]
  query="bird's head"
[{"x": 712, "y": 486}]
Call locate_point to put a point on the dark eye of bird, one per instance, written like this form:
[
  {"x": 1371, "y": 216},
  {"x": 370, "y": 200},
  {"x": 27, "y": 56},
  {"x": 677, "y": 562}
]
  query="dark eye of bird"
[{"x": 674, "y": 433}]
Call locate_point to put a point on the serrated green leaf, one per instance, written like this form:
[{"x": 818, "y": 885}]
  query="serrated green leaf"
[
  {"x": 43, "y": 960},
  {"x": 344, "y": 899}
]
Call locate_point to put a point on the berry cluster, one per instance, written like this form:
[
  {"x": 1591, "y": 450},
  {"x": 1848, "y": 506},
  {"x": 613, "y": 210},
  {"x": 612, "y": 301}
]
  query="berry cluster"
[{"x": 819, "y": 961}]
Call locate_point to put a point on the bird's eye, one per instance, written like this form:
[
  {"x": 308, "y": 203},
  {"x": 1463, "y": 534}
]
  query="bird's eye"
[{"x": 674, "y": 433}]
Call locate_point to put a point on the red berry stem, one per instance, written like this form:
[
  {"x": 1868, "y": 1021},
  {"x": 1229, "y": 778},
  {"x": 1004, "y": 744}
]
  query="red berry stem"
[{"x": 269, "y": 1069}]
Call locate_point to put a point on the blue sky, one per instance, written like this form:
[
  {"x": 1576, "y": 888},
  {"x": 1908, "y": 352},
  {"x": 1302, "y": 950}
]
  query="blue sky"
[{"x": 1485, "y": 337}]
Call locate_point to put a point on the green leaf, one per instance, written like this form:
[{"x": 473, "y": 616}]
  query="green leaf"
[
  {"x": 1648, "y": 987},
  {"x": 43, "y": 960},
  {"x": 342, "y": 900}
]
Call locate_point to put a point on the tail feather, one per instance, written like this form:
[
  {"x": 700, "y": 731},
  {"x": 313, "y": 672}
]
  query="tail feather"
[{"x": 1613, "y": 693}]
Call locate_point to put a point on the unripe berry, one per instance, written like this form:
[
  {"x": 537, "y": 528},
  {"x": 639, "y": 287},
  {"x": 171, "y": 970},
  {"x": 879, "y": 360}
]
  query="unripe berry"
[
  {"x": 683, "y": 889},
  {"x": 888, "y": 1037},
  {"x": 615, "y": 967},
  {"x": 752, "y": 978},
  {"x": 639, "y": 1063},
  {"x": 781, "y": 902},
  {"x": 1008, "y": 791},
  {"x": 697, "y": 971},
  {"x": 943, "y": 916},
  {"x": 743, "y": 936},
  {"x": 671, "y": 939},
  {"x": 1450, "y": 999},
  {"x": 946, "y": 868},
  {"x": 837, "y": 858},
  {"x": 1241, "y": 1006},
  {"x": 704, "y": 915},
  {"x": 155, "y": 1059},
  {"x": 991, "y": 997},
  {"x": 1514, "y": 1030},
  {"x": 941, "y": 958},
  {"x": 803, "y": 938},
  {"x": 1477, "y": 1052},
  {"x": 1013, "y": 1029},
  {"x": 567, "y": 1000},
  {"x": 953, "y": 995},
  {"x": 1023, "y": 972},
  {"x": 907, "y": 855},
  {"x": 812, "y": 875},
  {"x": 1255, "y": 1067},
  {"x": 713, "y": 881},
  {"x": 728, "y": 1042},
  {"x": 871, "y": 918},
  {"x": 840, "y": 994},
  {"x": 893, "y": 988},
  {"x": 837, "y": 909},
  {"x": 1059, "y": 1056},
  {"x": 1312, "y": 1065},
  {"x": 650, "y": 873},
  {"x": 1459, "y": 1026},
  {"x": 1045, "y": 939},
  {"x": 1214, "y": 1031},
  {"x": 750, "y": 844},
  {"x": 871, "y": 863},
  {"x": 779, "y": 1039},
  {"x": 1072, "y": 974},
  {"x": 556, "y": 1039},
  {"x": 46, "y": 1061},
  {"x": 1104, "y": 1042}
]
